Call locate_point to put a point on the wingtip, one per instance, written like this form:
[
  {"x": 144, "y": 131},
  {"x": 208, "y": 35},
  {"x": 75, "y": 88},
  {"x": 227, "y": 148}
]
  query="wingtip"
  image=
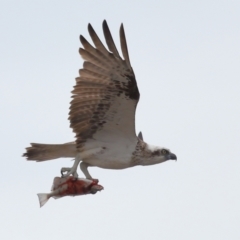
[
  {"x": 82, "y": 40},
  {"x": 104, "y": 24},
  {"x": 90, "y": 28},
  {"x": 80, "y": 50},
  {"x": 124, "y": 45}
]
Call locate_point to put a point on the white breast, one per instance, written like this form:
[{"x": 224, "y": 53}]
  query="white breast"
[{"x": 116, "y": 154}]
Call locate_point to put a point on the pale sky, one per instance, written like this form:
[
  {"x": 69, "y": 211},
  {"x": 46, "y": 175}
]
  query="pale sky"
[{"x": 186, "y": 58}]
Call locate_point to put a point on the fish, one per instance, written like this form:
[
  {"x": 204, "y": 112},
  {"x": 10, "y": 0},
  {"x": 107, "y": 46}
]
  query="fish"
[{"x": 69, "y": 186}]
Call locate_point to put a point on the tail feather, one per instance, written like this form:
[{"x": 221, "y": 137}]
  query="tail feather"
[
  {"x": 43, "y": 198},
  {"x": 43, "y": 152}
]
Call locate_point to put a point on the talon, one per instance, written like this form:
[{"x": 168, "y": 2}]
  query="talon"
[
  {"x": 64, "y": 170},
  {"x": 70, "y": 171}
]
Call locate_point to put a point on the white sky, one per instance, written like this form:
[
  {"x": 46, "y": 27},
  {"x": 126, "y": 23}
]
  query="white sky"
[{"x": 186, "y": 57}]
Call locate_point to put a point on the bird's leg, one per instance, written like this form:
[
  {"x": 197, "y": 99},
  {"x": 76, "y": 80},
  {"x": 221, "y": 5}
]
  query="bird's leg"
[
  {"x": 69, "y": 171},
  {"x": 72, "y": 170},
  {"x": 84, "y": 167}
]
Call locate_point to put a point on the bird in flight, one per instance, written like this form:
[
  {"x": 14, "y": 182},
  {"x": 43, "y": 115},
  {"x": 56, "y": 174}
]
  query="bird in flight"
[{"x": 102, "y": 113}]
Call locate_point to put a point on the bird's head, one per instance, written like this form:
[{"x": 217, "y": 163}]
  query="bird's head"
[
  {"x": 153, "y": 154},
  {"x": 159, "y": 154},
  {"x": 164, "y": 154}
]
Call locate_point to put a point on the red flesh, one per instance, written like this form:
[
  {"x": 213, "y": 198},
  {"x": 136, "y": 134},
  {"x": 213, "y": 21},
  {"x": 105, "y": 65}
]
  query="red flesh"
[{"x": 74, "y": 186}]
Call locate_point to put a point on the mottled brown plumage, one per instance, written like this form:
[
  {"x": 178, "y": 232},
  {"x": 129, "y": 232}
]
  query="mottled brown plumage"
[{"x": 104, "y": 82}]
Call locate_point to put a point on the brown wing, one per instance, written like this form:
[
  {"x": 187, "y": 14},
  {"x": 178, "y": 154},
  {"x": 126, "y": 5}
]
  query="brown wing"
[{"x": 106, "y": 94}]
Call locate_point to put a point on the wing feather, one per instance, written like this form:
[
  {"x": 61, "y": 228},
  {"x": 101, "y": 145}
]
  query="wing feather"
[
  {"x": 87, "y": 90},
  {"x": 95, "y": 59},
  {"x": 95, "y": 52},
  {"x": 106, "y": 94},
  {"x": 89, "y": 80},
  {"x": 93, "y": 68},
  {"x": 109, "y": 39},
  {"x": 124, "y": 46},
  {"x": 97, "y": 42},
  {"x": 88, "y": 73}
]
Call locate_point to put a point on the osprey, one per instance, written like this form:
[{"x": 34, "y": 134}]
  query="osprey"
[{"x": 102, "y": 113}]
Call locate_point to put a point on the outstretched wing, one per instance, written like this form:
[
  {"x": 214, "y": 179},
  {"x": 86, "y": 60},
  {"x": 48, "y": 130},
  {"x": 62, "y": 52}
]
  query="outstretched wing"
[{"x": 106, "y": 94}]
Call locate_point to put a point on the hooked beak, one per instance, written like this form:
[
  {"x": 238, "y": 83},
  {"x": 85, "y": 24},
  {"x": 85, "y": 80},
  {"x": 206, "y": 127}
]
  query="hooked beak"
[{"x": 172, "y": 156}]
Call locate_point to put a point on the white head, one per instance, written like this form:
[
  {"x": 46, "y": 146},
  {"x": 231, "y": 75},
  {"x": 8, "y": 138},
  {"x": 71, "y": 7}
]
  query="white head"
[
  {"x": 156, "y": 155},
  {"x": 153, "y": 154}
]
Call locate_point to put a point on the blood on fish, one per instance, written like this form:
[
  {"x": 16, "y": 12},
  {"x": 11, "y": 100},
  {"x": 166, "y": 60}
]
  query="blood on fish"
[{"x": 70, "y": 186}]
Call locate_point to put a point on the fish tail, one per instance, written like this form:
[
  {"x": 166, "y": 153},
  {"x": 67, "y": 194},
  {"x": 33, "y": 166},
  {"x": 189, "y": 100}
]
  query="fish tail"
[{"x": 43, "y": 198}]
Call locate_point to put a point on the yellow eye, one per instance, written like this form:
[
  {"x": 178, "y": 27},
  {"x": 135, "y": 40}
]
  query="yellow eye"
[{"x": 164, "y": 151}]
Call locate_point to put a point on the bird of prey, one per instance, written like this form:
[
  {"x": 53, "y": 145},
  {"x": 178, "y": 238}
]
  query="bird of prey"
[{"x": 102, "y": 113}]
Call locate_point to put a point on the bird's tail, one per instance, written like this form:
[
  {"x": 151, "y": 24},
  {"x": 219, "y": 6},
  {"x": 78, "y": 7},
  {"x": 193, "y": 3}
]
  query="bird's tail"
[
  {"x": 43, "y": 198},
  {"x": 43, "y": 152}
]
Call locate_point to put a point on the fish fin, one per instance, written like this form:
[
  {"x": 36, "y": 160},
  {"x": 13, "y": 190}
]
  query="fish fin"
[{"x": 43, "y": 198}]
